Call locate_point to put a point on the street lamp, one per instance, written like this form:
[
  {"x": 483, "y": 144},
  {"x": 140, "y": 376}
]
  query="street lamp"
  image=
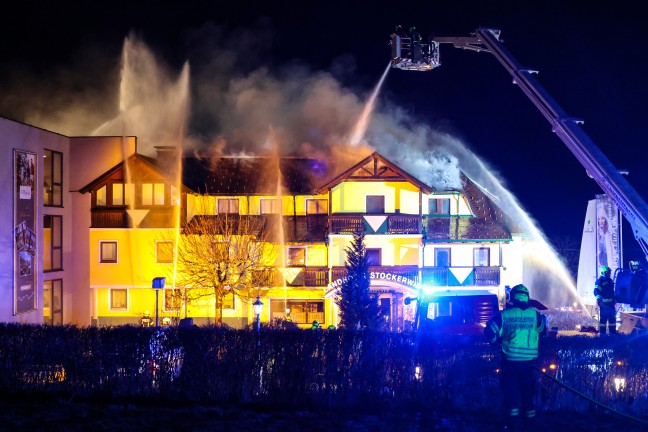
[
  {"x": 158, "y": 283},
  {"x": 258, "y": 307}
]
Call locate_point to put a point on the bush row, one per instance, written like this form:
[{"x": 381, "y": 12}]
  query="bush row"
[{"x": 305, "y": 368}]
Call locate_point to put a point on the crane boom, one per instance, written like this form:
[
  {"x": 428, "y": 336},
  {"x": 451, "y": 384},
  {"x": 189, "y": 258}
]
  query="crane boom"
[
  {"x": 631, "y": 285},
  {"x": 568, "y": 129}
]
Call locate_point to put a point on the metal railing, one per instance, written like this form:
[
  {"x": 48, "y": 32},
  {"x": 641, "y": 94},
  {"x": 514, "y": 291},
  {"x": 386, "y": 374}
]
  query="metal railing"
[{"x": 396, "y": 223}]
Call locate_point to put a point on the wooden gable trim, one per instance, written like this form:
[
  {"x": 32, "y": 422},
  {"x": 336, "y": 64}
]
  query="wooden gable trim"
[
  {"x": 142, "y": 169},
  {"x": 375, "y": 168}
]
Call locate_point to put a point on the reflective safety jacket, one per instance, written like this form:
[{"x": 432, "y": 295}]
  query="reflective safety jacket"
[
  {"x": 604, "y": 291},
  {"x": 519, "y": 331}
]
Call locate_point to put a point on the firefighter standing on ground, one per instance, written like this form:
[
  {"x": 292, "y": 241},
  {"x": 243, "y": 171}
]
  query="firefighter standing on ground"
[
  {"x": 518, "y": 329},
  {"x": 604, "y": 293}
]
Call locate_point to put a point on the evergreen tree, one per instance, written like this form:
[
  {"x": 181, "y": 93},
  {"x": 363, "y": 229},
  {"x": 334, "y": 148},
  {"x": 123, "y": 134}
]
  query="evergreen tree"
[{"x": 359, "y": 308}]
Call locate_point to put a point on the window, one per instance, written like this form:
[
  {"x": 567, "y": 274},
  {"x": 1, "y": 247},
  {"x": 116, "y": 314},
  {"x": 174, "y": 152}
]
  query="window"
[
  {"x": 481, "y": 257},
  {"x": 316, "y": 206},
  {"x": 172, "y": 299},
  {"x": 439, "y": 206},
  {"x": 101, "y": 197},
  {"x": 152, "y": 194},
  {"x": 118, "y": 299},
  {"x": 53, "y": 302},
  {"x": 298, "y": 311},
  {"x": 164, "y": 252},
  {"x": 296, "y": 257},
  {"x": 121, "y": 194},
  {"x": 53, "y": 178},
  {"x": 52, "y": 243},
  {"x": 375, "y": 204},
  {"x": 373, "y": 257},
  {"x": 442, "y": 257},
  {"x": 108, "y": 251},
  {"x": 270, "y": 206},
  {"x": 228, "y": 205}
]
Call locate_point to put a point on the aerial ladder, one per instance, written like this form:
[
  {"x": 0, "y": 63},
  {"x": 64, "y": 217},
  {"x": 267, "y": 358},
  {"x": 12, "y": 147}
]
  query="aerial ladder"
[{"x": 411, "y": 53}]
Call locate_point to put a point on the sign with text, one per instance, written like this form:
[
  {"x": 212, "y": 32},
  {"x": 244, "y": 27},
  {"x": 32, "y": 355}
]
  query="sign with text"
[{"x": 24, "y": 231}]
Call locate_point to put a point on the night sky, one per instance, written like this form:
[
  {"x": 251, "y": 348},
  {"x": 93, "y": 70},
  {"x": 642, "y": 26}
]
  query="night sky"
[{"x": 592, "y": 60}]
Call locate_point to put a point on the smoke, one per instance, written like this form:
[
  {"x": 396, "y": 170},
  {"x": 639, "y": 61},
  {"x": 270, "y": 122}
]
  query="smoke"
[{"x": 236, "y": 100}]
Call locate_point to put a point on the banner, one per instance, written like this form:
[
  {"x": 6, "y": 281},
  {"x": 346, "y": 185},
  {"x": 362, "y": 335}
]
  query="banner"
[
  {"x": 607, "y": 233},
  {"x": 24, "y": 231},
  {"x": 600, "y": 245}
]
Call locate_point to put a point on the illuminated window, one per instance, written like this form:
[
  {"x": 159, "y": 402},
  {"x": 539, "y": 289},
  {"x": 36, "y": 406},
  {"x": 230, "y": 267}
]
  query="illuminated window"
[
  {"x": 481, "y": 257},
  {"x": 152, "y": 194},
  {"x": 164, "y": 252},
  {"x": 373, "y": 257},
  {"x": 101, "y": 196},
  {"x": 52, "y": 243},
  {"x": 172, "y": 299},
  {"x": 121, "y": 193},
  {"x": 316, "y": 206},
  {"x": 270, "y": 206},
  {"x": 442, "y": 257},
  {"x": 298, "y": 311},
  {"x": 296, "y": 257},
  {"x": 53, "y": 178},
  {"x": 118, "y": 299},
  {"x": 439, "y": 206},
  {"x": 228, "y": 205},
  {"x": 375, "y": 204},
  {"x": 108, "y": 251},
  {"x": 53, "y": 302}
]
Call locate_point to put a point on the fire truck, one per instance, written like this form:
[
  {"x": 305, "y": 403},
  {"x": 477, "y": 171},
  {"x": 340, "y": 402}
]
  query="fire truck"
[{"x": 410, "y": 52}]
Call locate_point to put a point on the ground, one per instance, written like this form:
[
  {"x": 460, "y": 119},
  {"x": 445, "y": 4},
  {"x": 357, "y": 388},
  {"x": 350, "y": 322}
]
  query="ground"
[{"x": 20, "y": 414}]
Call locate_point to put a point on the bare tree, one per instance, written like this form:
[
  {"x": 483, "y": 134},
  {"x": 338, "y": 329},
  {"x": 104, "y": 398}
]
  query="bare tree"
[{"x": 222, "y": 254}]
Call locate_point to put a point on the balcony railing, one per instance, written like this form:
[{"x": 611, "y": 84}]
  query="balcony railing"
[
  {"x": 442, "y": 276},
  {"x": 106, "y": 217},
  {"x": 396, "y": 224},
  {"x": 409, "y": 272},
  {"x": 433, "y": 276},
  {"x": 117, "y": 217},
  {"x": 310, "y": 276}
]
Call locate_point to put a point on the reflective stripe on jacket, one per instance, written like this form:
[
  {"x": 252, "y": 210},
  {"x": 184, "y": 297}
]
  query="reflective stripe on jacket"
[
  {"x": 604, "y": 289},
  {"x": 519, "y": 331}
]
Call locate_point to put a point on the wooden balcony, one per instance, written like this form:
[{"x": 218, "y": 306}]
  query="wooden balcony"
[
  {"x": 442, "y": 276},
  {"x": 433, "y": 276},
  {"x": 109, "y": 217},
  {"x": 117, "y": 217},
  {"x": 310, "y": 277},
  {"x": 395, "y": 224},
  {"x": 409, "y": 272}
]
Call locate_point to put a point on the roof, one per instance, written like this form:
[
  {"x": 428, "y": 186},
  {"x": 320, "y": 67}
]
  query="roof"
[
  {"x": 375, "y": 168},
  {"x": 253, "y": 175}
]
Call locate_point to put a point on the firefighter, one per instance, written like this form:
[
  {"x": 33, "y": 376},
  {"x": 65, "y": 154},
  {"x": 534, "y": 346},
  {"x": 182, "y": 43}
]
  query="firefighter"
[
  {"x": 604, "y": 293},
  {"x": 518, "y": 328}
]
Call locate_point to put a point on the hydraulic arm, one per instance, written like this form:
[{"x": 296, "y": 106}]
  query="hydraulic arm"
[
  {"x": 568, "y": 129},
  {"x": 409, "y": 52}
]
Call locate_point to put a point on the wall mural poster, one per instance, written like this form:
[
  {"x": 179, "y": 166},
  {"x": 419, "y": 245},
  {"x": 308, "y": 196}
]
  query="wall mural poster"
[{"x": 24, "y": 231}]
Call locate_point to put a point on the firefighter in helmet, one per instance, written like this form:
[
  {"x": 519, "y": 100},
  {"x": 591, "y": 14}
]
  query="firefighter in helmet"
[
  {"x": 518, "y": 328},
  {"x": 604, "y": 293}
]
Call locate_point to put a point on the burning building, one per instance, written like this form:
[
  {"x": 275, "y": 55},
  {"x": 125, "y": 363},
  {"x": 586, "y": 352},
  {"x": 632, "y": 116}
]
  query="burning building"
[{"x": 105, "y": 225}]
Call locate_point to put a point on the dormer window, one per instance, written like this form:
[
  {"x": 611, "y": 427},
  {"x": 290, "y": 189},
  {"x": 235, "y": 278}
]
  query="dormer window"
[{"x": 439, "y": 206}]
